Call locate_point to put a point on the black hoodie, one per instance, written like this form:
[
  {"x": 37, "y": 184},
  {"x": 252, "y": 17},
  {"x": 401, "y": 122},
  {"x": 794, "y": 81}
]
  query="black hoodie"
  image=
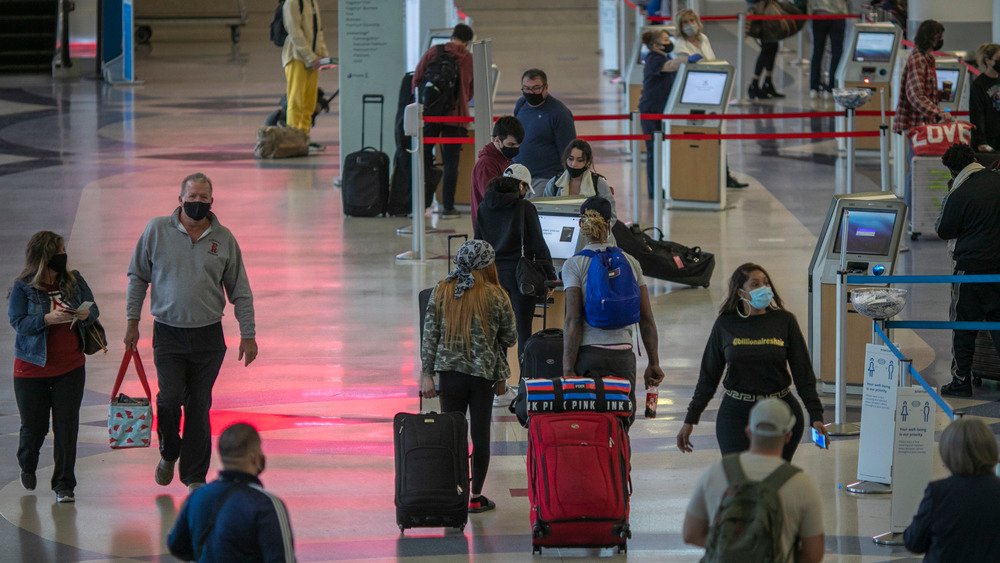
[{"x": 497, "y": 222}]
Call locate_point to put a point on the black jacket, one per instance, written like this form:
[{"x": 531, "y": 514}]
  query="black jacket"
[
  {"x": 971, "y": 214},
  {"x": 957, "y": 520},
  {"x": 984, "y": 98},
  {"x": 497, "y": 222}
]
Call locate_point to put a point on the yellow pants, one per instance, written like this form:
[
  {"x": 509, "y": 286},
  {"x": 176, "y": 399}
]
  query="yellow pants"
[{"x": 302, "y": 83}]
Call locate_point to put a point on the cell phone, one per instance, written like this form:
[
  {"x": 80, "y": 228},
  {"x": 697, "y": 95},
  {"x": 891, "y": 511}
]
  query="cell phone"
[
  {"x": 819, "y": 439},
  {"x": 85, "y": 306}
]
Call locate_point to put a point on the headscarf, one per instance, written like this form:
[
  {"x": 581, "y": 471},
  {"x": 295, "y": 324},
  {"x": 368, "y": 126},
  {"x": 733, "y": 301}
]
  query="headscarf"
[{"x": 474, "y": 254}]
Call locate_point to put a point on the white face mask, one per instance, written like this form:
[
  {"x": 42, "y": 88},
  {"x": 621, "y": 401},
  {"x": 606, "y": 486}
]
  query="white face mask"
[{"x": 690, "y": 29}]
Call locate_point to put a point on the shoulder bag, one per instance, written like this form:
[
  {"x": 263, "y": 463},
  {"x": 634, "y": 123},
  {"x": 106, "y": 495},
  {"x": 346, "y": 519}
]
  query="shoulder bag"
[{"x": 530, "y": 275}]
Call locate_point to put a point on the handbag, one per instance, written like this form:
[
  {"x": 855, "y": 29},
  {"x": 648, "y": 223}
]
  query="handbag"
[
  {"x": 774, "y": 30},
  {"x": 530, "y": 275},
  {"x": 934, "y": 139},
  {"x": 94, "y": 339},
  {"x": 130, "y": 419}
]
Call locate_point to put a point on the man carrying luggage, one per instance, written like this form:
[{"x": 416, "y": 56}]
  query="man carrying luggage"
[
  {"x": 446, "y": 95},
  {"x": 727, "y": 518}
]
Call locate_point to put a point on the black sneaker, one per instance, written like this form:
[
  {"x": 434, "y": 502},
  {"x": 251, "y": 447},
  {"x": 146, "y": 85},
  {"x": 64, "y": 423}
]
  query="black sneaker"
[
  {"x": 28, "y": 481},
  {"x": 65, "y": 496},
  {"x": 480, "y": 504},
  {"x": 957, "y": 388}
]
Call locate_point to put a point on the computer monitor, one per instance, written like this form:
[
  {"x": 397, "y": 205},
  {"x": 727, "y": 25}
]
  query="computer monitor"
[
  {"x": 561, "y": 232},
  {"x": 704, "y": 87},
  {"x": 437, "y": 40},
  {"x": 947, "y": 75},
  {"x": 874, "y": 47},
  {"x": 869, "y": 231}
]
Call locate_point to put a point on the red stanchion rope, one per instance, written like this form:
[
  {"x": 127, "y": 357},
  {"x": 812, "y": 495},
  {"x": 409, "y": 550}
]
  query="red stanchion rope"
[
  {"x": 687, "y": 137},
  {"x": 755, "y": 17},
  {"x": 975, "y": 71}
]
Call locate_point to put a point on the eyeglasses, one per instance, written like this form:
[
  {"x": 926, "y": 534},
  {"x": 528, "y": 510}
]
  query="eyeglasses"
[{"x": 533, "y": 89}]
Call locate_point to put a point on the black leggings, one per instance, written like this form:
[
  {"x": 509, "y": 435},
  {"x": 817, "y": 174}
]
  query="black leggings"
[
  {"x": 732, "y": 421},
  {"x": 765, "y": 60},
  {"x": 524, "y": 307},
  {"x": 460, "y": 392}
]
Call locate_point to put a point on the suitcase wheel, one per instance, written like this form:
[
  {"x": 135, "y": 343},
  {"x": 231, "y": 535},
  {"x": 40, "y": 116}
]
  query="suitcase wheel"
[{"x": 536, "y": 549}]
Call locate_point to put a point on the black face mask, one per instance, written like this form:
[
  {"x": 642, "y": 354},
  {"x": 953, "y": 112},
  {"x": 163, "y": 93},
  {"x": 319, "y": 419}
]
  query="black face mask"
[
  {"x": 938, "y": 45},
  {"x": 534, "y": 99},
  {"x": 197, "y": 210},
  {"x": 509, "y": 152},
  {"x": 996, "y": 66},
  {"x": 666, "y": 48},
  {"x": 58, "y": 263},
  {"x": 263, "y": 463},
  {"x": 575, "y": 172}
]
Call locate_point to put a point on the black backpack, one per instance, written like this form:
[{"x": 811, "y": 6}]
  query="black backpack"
[
  {"x": 278, "y": 31},
  {"x": 438, "y": 86}
]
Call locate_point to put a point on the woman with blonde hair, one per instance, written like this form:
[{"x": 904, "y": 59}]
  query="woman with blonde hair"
[
  {"x": 958, "y": 518},
  {"x": 984, "y": 99},
  {"x": 692, "y": 39},
  {"x": 44, "y": 308},
  {"x": 468, "y": 326}
]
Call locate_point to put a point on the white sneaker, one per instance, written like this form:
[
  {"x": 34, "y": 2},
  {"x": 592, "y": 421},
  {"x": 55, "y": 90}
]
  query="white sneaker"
[{"x": 506, "y": 398}]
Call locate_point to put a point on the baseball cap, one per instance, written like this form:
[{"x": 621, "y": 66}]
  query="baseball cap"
[
  {"x": 771, "y": 417},
  {"x": 598, "y": 204},
  {"x": 520, "y": 172}
]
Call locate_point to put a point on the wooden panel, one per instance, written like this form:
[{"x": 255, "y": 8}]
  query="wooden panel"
[
  {"x": 870, "y": 123},
  {"x": 634, "y": 93},
  {"x": 859, "y": 334},
  {"x": 694, "y": 166}
]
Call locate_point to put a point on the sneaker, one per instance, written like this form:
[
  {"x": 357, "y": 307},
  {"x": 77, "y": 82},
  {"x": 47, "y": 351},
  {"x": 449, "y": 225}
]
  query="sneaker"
[
  {"x": 164, "y": 472},
  {"x": 65, "y": 496},
  {"x": 957, "y": 388},
  {"x": 480, "y": 504},
  {"x": 192, "y": 487},
  {"x": 28, "y": 481},
  {"x": 506, "y": 398},
  {"x": 316, "y": 146},
  {"x": 827, "y": 94},
  {"x": 813, "y": 94},
  {"x": 447, "y": 213}
]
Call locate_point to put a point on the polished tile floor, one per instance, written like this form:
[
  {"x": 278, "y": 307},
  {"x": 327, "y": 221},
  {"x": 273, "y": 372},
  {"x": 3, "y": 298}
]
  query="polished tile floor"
[{"x": 336, "y": 315}]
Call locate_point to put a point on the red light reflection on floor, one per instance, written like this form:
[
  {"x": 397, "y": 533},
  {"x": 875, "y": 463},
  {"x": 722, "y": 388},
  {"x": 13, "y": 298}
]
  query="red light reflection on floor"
[{"x": 264, "y": 422}]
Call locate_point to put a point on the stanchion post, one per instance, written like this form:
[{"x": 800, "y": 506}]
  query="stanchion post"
[
  {"x": 417, "y": 189},
  {"x": 658, "y": 182},
  {"x": 741, "y": 20},
  {"x": 904, "y": 376},
  {"x": 635, "y": 127},
  {"x": 883, "y": 145},
  {"x": 840, "y": 426},
  {"x": 622, "y": 68},
  {"x": 849, "y": 173}
]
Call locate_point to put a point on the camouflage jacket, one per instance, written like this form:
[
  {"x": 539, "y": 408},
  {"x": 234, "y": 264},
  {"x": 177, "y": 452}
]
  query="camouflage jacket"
[{"x": 487, "y": 357}]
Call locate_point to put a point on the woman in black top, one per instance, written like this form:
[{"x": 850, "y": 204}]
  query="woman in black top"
[
  {"x": 984, "y": 100},
  {"x": 498, "y": 222},
  {"x": 759, "y": 342}
]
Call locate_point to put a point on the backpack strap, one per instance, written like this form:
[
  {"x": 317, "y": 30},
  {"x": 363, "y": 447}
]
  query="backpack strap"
[
  {"x": 780, "y": 476},
  {"x": 734, "y": 471}
]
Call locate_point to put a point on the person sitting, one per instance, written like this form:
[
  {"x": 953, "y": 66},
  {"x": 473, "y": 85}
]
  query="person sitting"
[
  {"x": 589, "y": 349},
  {"x": 958, "y": 516},
  {"x": 579, "y": 177},
  {"x": 984, "y": 99}
]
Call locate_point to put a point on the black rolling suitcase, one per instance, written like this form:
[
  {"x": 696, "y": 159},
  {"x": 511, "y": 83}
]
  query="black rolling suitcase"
[
  {"x": 365, "y": 179},
  {"x": 432, "y": 470},
  {"x": 663, "y": 259}
]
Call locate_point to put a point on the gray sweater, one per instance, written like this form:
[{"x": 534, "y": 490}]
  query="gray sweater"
[{"x": 189, "y": 278}]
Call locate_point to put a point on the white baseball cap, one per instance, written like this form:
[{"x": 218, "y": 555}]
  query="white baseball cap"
[
  {"x": 771, "y": 417},
  {"x": 520, "y": 172}
]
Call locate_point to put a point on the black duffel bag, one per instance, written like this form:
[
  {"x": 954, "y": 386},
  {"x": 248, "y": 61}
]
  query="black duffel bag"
[{"x": 664, "y": 259}]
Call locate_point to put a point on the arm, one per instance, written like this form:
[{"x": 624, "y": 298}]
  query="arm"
[
  {"x": 695, "y": 530},
  {"x": 179, "y": 540},
  {"x": 713, "y": 362},
  {"x": 949, "y": 221},
  {"x": 17, "y": 312},
  {"x": 421, "y": 67},
  {"x": 534, "y": 241},
  {"x": 922, "y": 100},
  {"x": 802, "y": 372},
  {"x": 605, "y": 190},
  {"x": 506, "y": 333},
  {"x": 811, "y": 549},
  {"x": 573, "y": 327},
  {"x": 85, "y": 294},
  {"x": 673, "y": 65},
  {"x": 650, "y": 340},
  {"x": 274, "y": 533},
  {"x": 977, "y": 115},
  {"x": 301, "y": 49},
  {"x": 321, "y": 49},
  {"x": 810, "y": 530},
  {"x": 565, "y": 130},
  {"x": 706, "y": 48},
  {"x": 237, "y": 286},
  {"x": 432, "y": 335},
  {"x": 550, "y": 187},
  {"x": 917, "y": 536},
  {"x": 140, "y": 272}
]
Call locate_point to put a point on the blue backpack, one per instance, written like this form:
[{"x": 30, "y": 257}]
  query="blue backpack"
[{"x": 611, "y": 298}]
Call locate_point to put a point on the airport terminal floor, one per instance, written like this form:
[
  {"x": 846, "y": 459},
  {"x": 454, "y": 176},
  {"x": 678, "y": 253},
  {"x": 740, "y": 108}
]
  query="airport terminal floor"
[{"x": 336, "y": 314}]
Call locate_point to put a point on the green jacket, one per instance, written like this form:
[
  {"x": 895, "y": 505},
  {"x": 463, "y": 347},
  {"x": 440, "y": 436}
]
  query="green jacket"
[{"x": 487, "y": 357}]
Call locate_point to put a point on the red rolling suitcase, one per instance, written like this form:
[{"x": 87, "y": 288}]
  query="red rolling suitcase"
[{"x": 578, "y": 481}]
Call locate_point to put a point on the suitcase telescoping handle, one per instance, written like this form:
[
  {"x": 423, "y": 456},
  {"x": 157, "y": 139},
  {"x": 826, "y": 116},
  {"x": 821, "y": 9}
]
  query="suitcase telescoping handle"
[
  {"x": 373, "y": 99},
  {"x": 464, "y": 238}
]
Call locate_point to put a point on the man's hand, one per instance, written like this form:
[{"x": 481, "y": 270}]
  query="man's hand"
[
  {"x": 248, "y": 350},
  {"x": 427, "y": 387},
  {"x": 131, "y": 335},
  {"x": 653, "y": 376},
  {"x": 947, "y": 117},
  {"x": 984, "y": 148}
]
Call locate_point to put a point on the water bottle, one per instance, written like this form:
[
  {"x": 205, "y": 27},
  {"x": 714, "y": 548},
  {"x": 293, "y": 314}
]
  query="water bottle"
[{"x": 652, "y": 396}]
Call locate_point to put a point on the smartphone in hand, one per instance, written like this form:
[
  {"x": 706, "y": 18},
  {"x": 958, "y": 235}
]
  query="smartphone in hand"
[{"x": 819, "y": 439}]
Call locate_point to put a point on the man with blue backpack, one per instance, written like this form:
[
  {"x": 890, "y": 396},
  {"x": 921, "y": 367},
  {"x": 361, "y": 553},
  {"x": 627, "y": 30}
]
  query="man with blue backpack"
[{"x": 606, "y": 298}]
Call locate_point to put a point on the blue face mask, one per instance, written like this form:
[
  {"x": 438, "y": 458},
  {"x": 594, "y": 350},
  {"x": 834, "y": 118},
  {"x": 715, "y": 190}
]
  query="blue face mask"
[{"x": 761, "y": 297}]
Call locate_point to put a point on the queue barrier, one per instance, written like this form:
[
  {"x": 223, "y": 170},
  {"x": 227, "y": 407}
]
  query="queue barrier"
[{"x": 934, "y": 325}]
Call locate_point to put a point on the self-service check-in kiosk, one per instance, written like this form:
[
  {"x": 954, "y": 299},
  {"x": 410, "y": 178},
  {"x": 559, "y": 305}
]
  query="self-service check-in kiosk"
[
  {"x": 952, "y": 83},
  {"x": 877, "y": 221},
  {"x": 871, "y": 56},
  {"x": 696, "y": 169},
  {"x": 636, "y": 64}
]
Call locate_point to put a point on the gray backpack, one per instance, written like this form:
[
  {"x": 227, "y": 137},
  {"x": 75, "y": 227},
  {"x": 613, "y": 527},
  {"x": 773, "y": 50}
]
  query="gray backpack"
[{"x": 747, "y": 526}]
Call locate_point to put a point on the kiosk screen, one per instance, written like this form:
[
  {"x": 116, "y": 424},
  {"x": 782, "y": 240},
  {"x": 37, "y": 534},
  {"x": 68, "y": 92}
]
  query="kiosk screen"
[
  {"x": 949, "y": 75},
  {"x": 874, "y": 47},
  {"x": 434, "y": 40},
  {"x": 869, "y": 232},
  {"x": 704, "y": 88},
  {"x": 561, "y": 233}
]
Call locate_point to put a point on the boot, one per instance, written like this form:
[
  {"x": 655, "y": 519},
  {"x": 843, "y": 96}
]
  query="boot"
[
  {"x": 958, "y": 388},
  {"x": 755, "y": 92},
  {"x": 768, "y": 88}
]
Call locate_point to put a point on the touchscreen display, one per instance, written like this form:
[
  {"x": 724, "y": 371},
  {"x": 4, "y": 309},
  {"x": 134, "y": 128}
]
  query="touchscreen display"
[
  {"x": 561, "y": 234},
  {"x": 868, "y": 232},
  {"x": 949, "y": 75},
  {"x": 873, "y": 47},
  {"x": 704, "y": 88}
]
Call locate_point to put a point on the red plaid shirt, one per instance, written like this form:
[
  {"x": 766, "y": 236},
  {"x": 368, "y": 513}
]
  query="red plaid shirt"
[{"x": 917, "y": 94}]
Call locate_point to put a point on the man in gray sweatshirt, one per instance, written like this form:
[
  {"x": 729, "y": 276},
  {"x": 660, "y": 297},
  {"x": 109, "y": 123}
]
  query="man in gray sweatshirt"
[{"x": 190, "y": 259}]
